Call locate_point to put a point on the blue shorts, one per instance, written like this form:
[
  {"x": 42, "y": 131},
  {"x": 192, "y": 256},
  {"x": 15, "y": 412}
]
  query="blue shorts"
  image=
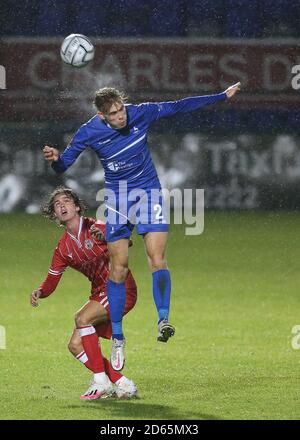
[{"x": 143, "y": 208}]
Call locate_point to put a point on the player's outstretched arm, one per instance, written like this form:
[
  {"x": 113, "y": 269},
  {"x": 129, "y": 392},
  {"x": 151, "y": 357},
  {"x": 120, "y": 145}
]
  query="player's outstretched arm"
[
  {"x": 51, "y": 154},
  {"x": 34, "y": 297},
  {"x": 231, "y": 91},
  {"x": 159, "y": 110}
]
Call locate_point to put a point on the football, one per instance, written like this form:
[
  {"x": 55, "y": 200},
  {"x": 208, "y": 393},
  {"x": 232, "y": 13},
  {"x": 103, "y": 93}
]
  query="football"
[{"x": 77, "y": 50}]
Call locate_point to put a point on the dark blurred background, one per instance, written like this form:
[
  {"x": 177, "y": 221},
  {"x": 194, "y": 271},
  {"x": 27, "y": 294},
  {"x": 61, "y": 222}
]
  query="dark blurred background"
[
  {"x": 152, "y": 18},
  {"x": 245, "y": 153}
]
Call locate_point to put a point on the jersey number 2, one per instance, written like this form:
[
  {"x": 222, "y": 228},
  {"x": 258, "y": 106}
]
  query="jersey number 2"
[{"x": 159, "y": 215}]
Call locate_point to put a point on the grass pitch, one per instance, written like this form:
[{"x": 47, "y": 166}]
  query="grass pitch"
[{"x": 236, "y": 297}]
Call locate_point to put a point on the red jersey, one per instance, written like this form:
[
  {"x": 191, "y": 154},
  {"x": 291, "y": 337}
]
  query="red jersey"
[{"x": 84, "y": 254}]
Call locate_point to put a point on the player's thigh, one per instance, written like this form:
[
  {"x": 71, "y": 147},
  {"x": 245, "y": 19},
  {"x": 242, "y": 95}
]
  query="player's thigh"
[{"x": 91, "y": 313}]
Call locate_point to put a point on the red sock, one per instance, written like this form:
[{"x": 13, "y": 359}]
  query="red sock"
[
  {"x": 91, "y": 347},
  {"x": 82, "y": 357},
  {"x": 111, "y": 373}
]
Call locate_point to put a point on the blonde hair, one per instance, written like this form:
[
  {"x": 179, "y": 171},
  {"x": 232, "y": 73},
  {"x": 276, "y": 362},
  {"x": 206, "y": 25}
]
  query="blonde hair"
[{"x": 106, "y": 97}]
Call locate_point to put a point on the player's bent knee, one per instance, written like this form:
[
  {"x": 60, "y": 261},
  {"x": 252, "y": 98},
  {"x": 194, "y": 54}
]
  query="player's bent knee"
[
  {"x": 81, "y": 320},
  {"x": 74, "y": 347},
  {"x": 158, "y": 264},
  {"x": 118, "y": 273}
]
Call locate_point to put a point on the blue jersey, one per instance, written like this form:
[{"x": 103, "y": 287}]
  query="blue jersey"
[{"x": 124, "y": 153}]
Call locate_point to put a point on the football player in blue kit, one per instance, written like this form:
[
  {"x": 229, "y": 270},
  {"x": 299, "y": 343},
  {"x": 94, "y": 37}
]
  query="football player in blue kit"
[{"x": 118, "y": 135}]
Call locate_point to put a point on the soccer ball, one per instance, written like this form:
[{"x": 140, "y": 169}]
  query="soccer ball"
[{"x": 77, "y": 50}]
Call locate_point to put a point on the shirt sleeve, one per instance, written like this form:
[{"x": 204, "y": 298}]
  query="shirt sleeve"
[
  {"x": 77, "y": 145},
  {"x": 157, "y": 110},
  {"x": 100, "y": 225},
  {"x": 58, "y": 266}
]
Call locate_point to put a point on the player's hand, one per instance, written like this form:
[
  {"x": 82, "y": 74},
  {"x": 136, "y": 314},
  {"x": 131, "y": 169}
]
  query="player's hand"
[
  {"x": 231, "y": 91},
  {"x": 96, "y": 233},
  {"x": 50, "y": 153},
  {"x": 34, "y": 298}
]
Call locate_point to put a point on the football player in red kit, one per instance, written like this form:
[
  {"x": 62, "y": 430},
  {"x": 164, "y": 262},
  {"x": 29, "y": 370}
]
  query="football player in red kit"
[{"x": 83, "y": 248}]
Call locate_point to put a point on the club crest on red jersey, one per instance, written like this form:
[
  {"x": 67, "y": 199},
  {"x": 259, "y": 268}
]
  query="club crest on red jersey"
[{"x": 88, "y": 244}]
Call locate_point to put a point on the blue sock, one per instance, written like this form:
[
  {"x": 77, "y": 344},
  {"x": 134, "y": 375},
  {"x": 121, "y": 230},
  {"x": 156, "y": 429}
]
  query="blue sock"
[
  {"x": 116, "y": 294},
  {"x": 161, "y": 287}
]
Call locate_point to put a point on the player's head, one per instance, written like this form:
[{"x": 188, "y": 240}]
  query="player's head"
[
  {"x": 63, "y": 205},
  {"x": 110, "y": 104}
]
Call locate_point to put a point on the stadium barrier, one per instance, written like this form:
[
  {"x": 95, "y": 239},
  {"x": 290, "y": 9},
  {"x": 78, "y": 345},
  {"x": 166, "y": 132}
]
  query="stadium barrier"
[{"x": 238, "y": 171}]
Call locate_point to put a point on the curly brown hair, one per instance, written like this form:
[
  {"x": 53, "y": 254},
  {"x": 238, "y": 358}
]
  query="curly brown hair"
[
  {"x": 106, "y": 97},
  {"x": 48, "y": 208}
]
